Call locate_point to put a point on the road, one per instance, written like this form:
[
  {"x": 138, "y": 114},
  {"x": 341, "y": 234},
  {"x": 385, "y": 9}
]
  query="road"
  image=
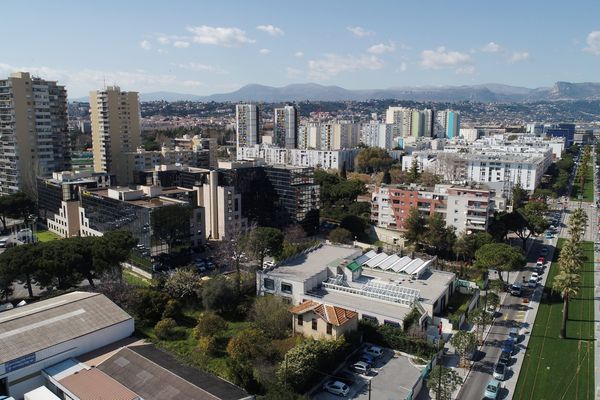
[{"x": 512, "y": 314}]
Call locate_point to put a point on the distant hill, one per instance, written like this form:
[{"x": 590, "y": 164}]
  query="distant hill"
[{"x": 490, "y": 92}]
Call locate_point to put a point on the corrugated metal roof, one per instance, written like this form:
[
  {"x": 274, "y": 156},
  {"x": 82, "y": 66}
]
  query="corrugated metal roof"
[{"x": 34, "y": 327}]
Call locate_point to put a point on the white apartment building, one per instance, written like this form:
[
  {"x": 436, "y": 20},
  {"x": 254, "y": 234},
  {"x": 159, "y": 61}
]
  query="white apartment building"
[
  {"x": 410, "y": 121},
  {"x": 285, "y": 127},
  {"x": 325, "y": 159},
  {"x": 247, "y": 122},
  {"x": 376, "y": 134},
  {"x": 34, "y": 131}
]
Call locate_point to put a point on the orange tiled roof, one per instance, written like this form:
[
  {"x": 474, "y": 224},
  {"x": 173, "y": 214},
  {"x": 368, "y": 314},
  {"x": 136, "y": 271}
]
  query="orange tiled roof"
[{"x": 332, "y": 314}]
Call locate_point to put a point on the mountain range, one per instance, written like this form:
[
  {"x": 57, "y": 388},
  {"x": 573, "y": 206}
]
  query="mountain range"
[{"x": 491, "y": 92}]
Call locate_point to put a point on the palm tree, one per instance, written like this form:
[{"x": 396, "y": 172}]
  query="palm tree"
[
  {"x": 567, "y": 284},
  {"x": 577, "y": 224},
  {"x": 571, "y": 257}
]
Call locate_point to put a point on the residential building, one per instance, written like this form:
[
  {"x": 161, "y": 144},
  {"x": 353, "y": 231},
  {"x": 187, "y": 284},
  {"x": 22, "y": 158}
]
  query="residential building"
[
  {"x": 115, "y": 118},
  {"x": 325, "y": 159},
  {"x": 338, "y": 135},
  {"x": 309, "y": 136},
  {"x": 378, "y": 287},
  {"x": 47, "y": 332},
  {"x": 410, "y": 122},
  {"x": 247, "y": 119},
  {"x": 465, "y": 208},
  {"x": 566, "y": 131},
  {"x": 285, "y": 127},
  {"x": 535, "y": 128},
  {"x": 34, "y": 131},
  {"x": 321, "y": 321},
  {"x": 448, "y": 122},
  {"x": 376, "y": 134}
]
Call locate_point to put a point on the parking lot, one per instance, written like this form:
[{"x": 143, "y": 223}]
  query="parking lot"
[{"x": 392, "y": 376}]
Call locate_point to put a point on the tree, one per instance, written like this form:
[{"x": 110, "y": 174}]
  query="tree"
[
  {"x": 340, "y": 235},
  {"x": 171, "y": 224},
  {"x": 527, "y": 221},
  {"x": 264, "y": 241},
  {"x": 443, "y": 381},
  {"x": 480, "y": 318},
  {"x": 438, "y": 237},
  {"x": 429, "y": 179},
  {"x": 519, "y": 197},
  {"x": 567, "y": 284},
  {"x": 499, "y": 256},
  {"x": 492, "y": 300},
  {"x": 248, "y": 345},
  {"x": 184, "y": 284},
  {"x": 387, "y": 177},
  {"x": 21, "y": 264},
  {"x": 414, "y": 228},
  {"x": 577, "y": 224},
  {"x": 413, "y": 172},
  {"x": 373, "y": 159},
  {"x": 497, "y": 286},
  {"x": 110, "y": 250},
  {"x": 165, "y": 329},
  {"x": 465, "y": 343},
  {"x": 467, "y": 244},
  {"x": 16, "y": 205},
  {"x": 343, "y": 172},
  {"x": 209, "y": 324},
  {"x": 148, "y": 305},
  {"x": 218, "y": 295},
  {"x": 270, "y": 314},
  {"x": 571, "y": 258},
  {"x": 356, "y": 225}
]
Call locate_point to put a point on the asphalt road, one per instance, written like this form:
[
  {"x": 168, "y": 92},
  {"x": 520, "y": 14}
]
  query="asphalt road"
[{"x": 512, "y": 314}]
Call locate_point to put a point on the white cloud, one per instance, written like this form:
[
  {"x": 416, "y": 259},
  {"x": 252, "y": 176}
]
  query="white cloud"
[
  {"x": 79, "y": 82},
  {"x": 359, "y": 31},
  {"x": 182, "y": 44},
  {"x": 163, "y": 39},
  {"x": 264, "y": 52},
  {"x": 518, "y": 56},
  {"x": 271, "y": 30},
  {"x": 146, "y": 45},
  {"x": 403, "y": 67},
  {"x": 593, "y": 43},
  {"x": 192, "y": 66},
  {"x": 192, "y": 83},
  {"x": 441, "y": 58},
  {"x": 294, "y": 73},
  {"x": 491, "y": 47},
  {"x": 219, "y": 36},
  {"x": 299, "y": 54},
  {"x": 333, "y": 64},
  {"x": 466, "y": 70},
  {"x": 381, "y": 48}
]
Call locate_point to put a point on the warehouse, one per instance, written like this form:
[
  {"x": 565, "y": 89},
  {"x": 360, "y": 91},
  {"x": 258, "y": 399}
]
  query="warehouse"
[{"x": 39, "y": 335}]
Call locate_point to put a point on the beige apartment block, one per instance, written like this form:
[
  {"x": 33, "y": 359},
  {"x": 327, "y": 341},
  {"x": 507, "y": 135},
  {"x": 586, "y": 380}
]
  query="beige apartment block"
[
  {"x": 115, "y": 117},
  {"x": 34, "y": 131}
]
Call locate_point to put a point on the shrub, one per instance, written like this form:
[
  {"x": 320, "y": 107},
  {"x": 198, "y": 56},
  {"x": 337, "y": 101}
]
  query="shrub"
[
  {"x": 148, "y": 305},
  {"x": 209, "y": 324},
  {"x": 218, "y": 295},
  {"x": 270, "y": 314},
  {"x": 172, "y": 309},
  {"x": 208, "y": 345},
  {"x": 247, "y": 345},
  {"x": 165, "y": 329}
]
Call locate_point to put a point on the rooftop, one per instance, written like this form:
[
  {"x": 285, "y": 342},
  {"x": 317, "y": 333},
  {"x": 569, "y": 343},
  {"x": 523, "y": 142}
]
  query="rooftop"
[
  {"x": 305, "y": 265},
  {"x": 156, "y": 375},
  {"x": 93, "y": 384},
  {"x": 38, "y": 326},
  {"x": 334, "y": 315}
]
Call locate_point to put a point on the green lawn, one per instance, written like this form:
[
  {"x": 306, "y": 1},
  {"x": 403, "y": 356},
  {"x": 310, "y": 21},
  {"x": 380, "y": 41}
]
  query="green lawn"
[
  {"x": 556, "y": 369},
  {"x": 588, "y": 187},
  {"x": 46, "y": 236},
  {"x": 135, "y": 279}
]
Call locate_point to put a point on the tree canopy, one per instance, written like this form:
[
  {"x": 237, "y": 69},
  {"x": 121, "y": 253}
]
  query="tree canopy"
[
  {"x": 499, "y": 256},
  {"x": 373, "y": 159}
]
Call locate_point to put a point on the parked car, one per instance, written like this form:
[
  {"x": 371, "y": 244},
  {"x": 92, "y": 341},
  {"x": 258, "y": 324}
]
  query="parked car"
[
  {"x": 549, "y": 235},
  {"x": 514, "y": 333},
  {"x": 544, "y": 251},
  {"x": 366, "y": 358},
  {"x": 505, "y": 357},
  {"x": 541, "y": 260},
  {"x": 336, "y": 387},
  {"x": 500, "y": 371},
  {"x": 534, "y": 276},
  {"x": 515, "y": 289},
  {"x": 532, "y": 283},
  {"x": 508, "y": 346},
  {"x": 361, "y": 367},
  {"x": 374, "y": 351},
  {"x": 492, "y": 389}
]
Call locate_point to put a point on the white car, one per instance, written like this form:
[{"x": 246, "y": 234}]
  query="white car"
[
  {"x": 534, "y": 276},
  {"x": 361, "y": 367},
  {"x": 374, "y": 351},
  {"x": 336, "y": 387}
]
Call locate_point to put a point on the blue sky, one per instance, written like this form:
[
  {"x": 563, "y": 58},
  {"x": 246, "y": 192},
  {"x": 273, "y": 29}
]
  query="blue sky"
[{"x": 205, "y": 47}]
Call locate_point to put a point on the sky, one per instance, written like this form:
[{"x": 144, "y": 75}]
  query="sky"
[{"x": 206, "y": 47}]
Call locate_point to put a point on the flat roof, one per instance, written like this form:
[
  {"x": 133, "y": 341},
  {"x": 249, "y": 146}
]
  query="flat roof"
[
  {"x": 156, "y": 375},
  {"x": 305, "y": 265},
  {"x": 42, "y": 393},
  {"x": 38, "y": 326}
]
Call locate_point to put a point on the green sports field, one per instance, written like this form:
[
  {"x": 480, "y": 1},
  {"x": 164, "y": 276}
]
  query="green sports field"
[{"x": 561, "y": 369}]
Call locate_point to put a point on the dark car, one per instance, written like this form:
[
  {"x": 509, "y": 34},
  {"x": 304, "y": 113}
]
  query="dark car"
[{"x": 505, "y": 357}]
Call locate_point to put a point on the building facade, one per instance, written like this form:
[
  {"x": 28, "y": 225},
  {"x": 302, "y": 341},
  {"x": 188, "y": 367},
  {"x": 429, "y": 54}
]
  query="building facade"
[
  {"x": 115, "y": 118},
  {"x": 285, "y": 127},
  {"x": 34, "y": 131},
  {"x": 321, "y": 321},
  {"x": 247, "y": 123}
]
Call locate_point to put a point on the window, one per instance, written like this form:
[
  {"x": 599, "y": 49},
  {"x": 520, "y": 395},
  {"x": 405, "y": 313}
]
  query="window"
[
  {"x": 329, "y": 329},
  {"x": 314, "y": 324},
  {"x": 286, "y": 288},
  {"x": 269, "y": 284},
  {"x": 300, "y": 320},
  {"x": 391, "y": 323},
  {"x": 369, "y": 318}
]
